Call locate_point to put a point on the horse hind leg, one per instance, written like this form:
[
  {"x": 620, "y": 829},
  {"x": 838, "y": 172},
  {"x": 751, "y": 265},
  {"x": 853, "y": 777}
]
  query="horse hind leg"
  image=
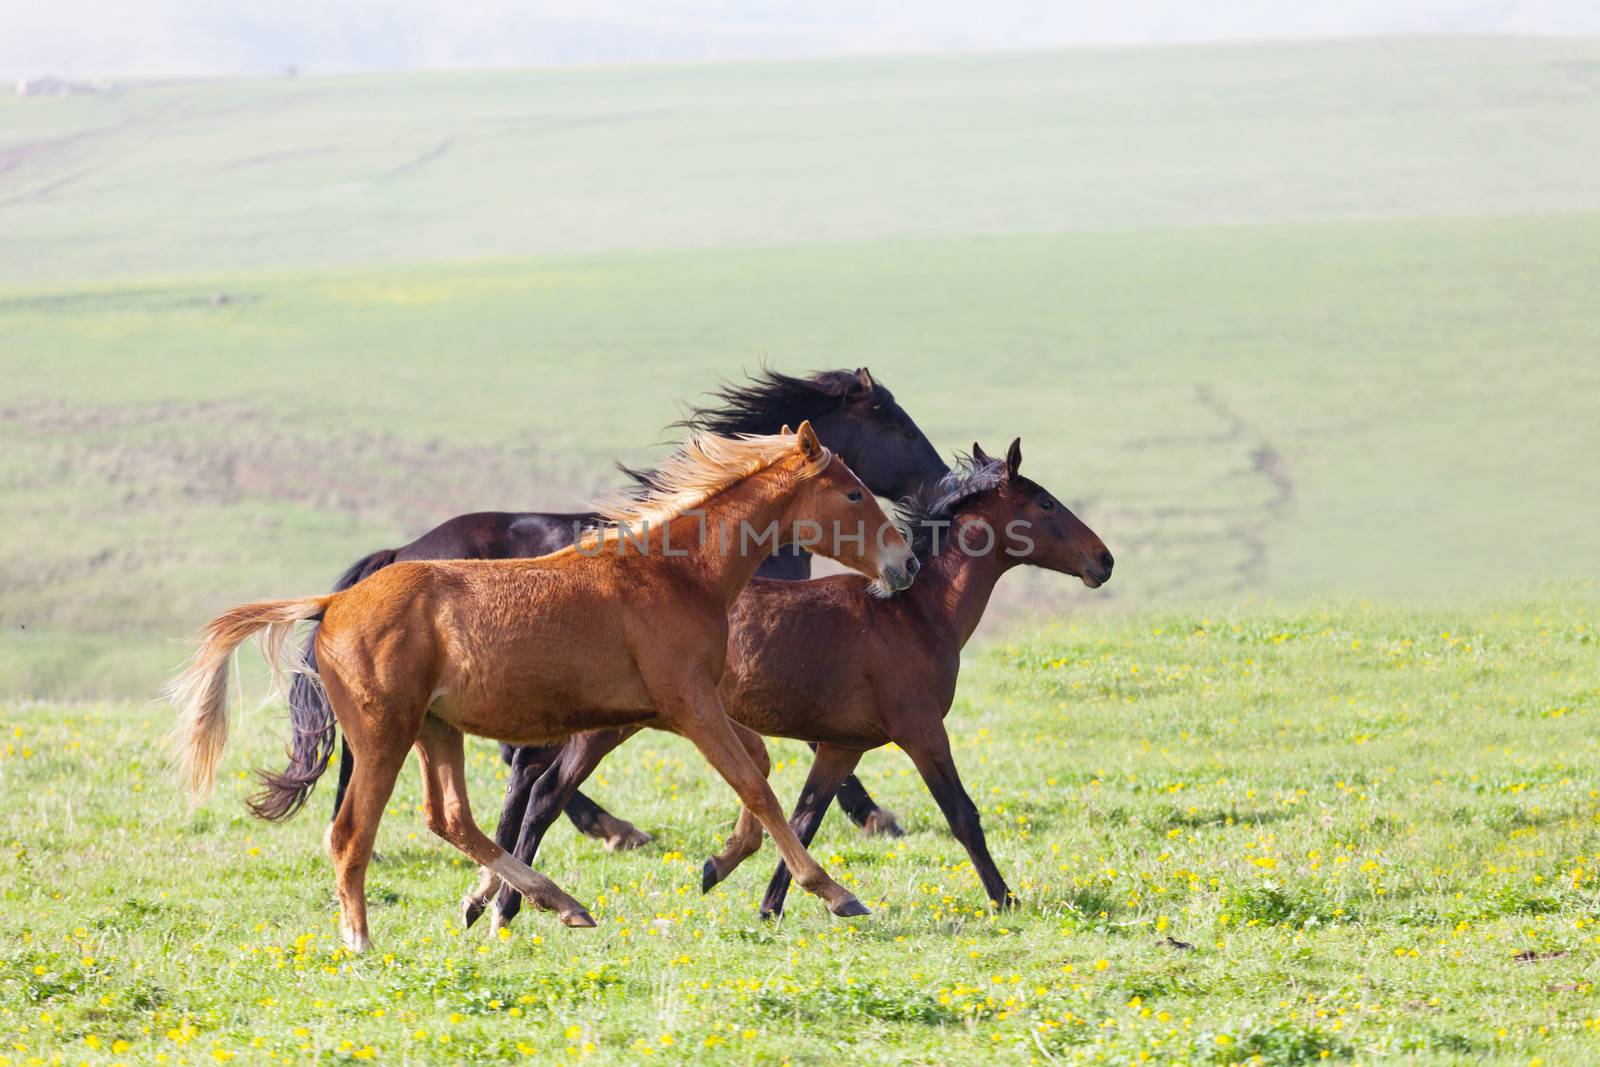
[
  {"x": 347, "y": 770},
  {"x": 350, "y": 839},
  {"x": 351, "y": 834},
  {"x": 613, "y": 831},
  {"x": 449, "y": 813},
  {"x": 528, "y": 764}
]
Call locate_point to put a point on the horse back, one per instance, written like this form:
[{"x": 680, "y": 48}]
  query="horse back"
[{"x": 498, "y": 535}]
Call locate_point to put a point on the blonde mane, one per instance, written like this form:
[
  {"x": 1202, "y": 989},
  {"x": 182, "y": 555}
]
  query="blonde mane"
[{"x": 706, "y": 465}]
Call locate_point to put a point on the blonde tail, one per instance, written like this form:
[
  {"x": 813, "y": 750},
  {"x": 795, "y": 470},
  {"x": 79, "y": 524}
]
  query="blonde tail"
[{"x": 200, "y": 692}]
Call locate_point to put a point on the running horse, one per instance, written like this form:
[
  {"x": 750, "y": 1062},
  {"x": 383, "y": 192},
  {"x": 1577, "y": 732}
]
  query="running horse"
[
  {"x": 853, "y": 414},
  {"x": 628, "y": 627},
  {"x": 788, "y": 675}
]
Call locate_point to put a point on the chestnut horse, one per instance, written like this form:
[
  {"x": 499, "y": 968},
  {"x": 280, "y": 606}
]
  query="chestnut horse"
[
  {"x": 789, "y": 676},
  {"x": 627, "y": 628},
  {"x": 854, "y": 415}
]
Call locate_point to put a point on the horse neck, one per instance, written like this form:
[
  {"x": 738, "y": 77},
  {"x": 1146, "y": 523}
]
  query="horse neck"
[
  {"x": 954, "y": 587},
  {"x": 844, "y": 435},
  {"x": 724, "y": 559},
  {"x": 839, "y": 433}
]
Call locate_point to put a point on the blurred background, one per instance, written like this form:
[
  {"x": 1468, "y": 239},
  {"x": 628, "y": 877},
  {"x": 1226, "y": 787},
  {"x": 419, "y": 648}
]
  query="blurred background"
[{"x": 1289, "y": 301}]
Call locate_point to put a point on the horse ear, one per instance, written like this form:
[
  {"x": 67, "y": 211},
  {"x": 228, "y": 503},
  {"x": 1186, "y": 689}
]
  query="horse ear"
[
  {"x": 806, "y": 438},
  {"x": 864, "y": 379},
  {"x": 1013, "y": 458},
  {"x": 978, "y": 454},
  {"x": 785, "y": 432}
]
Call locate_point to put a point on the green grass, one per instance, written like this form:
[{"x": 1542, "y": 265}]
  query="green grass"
[
  {"x": 1392, "y": 408},
  {"x": 1312, "y": 323},
  {"x": 1372, "y": 830}
]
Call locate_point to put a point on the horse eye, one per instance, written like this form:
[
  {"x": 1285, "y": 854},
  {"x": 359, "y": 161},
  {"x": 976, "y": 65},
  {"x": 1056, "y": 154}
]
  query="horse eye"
[
  {"x": 853, "y": 495},
  {"x": 1046, "y": 504}
]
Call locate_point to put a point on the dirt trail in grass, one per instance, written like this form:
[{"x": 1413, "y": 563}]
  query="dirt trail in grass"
[{"x": 1224, "y": 548}]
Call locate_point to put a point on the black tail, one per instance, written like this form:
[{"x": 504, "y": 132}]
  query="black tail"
[{"x": 313, "y": 730}]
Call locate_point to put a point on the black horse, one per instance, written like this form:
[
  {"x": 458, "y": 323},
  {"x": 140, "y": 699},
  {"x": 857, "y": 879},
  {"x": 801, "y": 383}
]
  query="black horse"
[{"x": 853, "y": 415}]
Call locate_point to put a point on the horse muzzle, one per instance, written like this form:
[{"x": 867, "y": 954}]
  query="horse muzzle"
[
  {"x": 899, "y": 577},
  {"x": 1098, "y": 571}
]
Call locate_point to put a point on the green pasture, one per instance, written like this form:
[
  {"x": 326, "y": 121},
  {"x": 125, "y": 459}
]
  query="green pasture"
[
  {"x": 1307, "y": 333},
  {"x": 1346, "y": 832},
  {"x": 1390, "y": 408}
]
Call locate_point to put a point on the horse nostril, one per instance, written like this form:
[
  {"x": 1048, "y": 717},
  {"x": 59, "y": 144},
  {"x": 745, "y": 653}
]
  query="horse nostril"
[
  {"x": 912, "y": 567},
  {"x": 1105, "y": 559}
]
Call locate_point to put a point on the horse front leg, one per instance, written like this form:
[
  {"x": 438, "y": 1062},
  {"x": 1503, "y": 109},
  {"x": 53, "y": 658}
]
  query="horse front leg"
[
  {"x": 692, "y": 708},
  {"x": 929, "y": 749},
  {"x": 745, "y": 840},
  {"x": 831, "y": 767}
]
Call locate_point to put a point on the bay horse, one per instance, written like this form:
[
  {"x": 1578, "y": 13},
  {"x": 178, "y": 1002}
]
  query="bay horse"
[
  {"x": 853, "y": 414},
  {"x": 789, "y": 675},
  {"x": 621, "y": 629}
]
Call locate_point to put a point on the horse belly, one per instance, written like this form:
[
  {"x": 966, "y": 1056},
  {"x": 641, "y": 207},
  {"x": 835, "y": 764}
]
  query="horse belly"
[
  {"x": 530, "y": 692},
  {"x": 783, "y": 703},
  {"x": 539, "y": 726}
]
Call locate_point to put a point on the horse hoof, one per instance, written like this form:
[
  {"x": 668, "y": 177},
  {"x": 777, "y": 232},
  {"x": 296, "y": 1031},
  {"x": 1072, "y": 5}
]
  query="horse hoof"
[
  {"x": 882, "y": 823},
  {"x": 471, "y": 910},
  {"x": 626, "y": 839},
  {"x": 579, "y": 918},
  {"x": 709, "y": 876},
  {"x": 848, "y": 908},
  {"x": 771, "y": 914}
]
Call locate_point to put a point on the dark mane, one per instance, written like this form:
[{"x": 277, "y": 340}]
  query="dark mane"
[
  {"x": 766, "y": 404},
  {"x": 770, "y": 400},
  {"x": 929, "y": 514}
]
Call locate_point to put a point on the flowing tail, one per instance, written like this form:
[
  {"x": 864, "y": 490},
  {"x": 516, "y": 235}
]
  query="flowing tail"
[
  {"x": 201, "y": 691},
  {"x": 313, "y": 729}
]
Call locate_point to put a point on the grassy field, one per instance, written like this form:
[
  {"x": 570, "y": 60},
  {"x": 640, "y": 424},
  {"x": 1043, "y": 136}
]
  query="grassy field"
[
  {"x": 1349, "y": 832},
  {"x": 1306, "y": 332}
]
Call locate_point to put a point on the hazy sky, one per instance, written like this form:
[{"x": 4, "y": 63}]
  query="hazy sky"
[{"x": 85, "y": 38}]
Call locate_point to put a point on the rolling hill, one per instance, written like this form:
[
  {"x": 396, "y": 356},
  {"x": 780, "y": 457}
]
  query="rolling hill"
[{"x": 1280, "y": 320}]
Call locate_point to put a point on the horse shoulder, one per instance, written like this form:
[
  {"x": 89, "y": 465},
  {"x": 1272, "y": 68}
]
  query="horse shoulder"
[
  {"x": 910, "y": 663},
  {"x": 668, "y": 621},
  {"x": 795, "y": 654}
]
